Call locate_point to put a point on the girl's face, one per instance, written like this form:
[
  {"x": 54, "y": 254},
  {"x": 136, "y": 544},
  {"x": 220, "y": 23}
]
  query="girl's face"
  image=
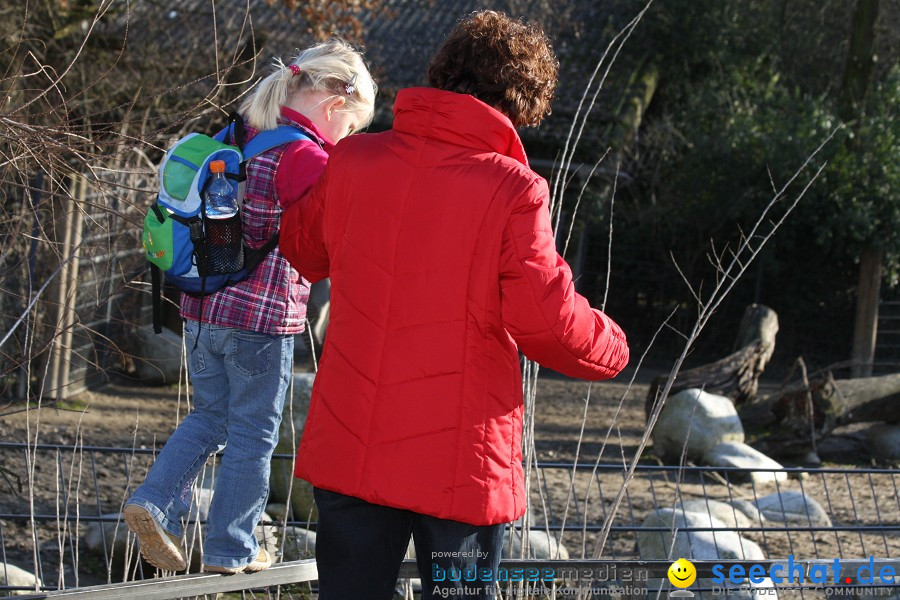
[{"x": 328, "y": 113}]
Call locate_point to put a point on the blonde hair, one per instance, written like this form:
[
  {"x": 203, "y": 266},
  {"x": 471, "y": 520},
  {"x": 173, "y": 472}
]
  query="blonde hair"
[{"x": 333, "y": 66}]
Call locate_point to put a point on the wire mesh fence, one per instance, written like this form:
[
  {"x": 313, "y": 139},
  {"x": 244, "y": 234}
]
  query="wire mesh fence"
[
  {"x": 63, "y": 336},
  {"x": 63, "y": 523}
]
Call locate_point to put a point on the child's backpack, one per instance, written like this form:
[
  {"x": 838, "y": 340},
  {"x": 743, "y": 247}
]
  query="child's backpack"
[{"x": 199, "y": 255}]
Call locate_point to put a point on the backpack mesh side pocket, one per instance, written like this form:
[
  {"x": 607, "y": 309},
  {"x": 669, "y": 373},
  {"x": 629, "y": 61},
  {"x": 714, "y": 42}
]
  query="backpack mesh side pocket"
[{"x": 224, "y": 246}]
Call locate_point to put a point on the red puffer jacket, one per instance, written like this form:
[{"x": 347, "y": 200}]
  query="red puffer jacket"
[{"x": 437, "y": 239}]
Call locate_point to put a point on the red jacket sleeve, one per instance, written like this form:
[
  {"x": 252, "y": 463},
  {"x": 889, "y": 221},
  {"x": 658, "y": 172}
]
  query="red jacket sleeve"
[
  {"x": 301, "y": 239},
  {"x": 551, "y": 323},
  {"x": 301, "y": 165}
]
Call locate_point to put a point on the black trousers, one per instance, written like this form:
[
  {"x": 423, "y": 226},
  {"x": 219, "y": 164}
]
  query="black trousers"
[{"x": 359, "y": 548}]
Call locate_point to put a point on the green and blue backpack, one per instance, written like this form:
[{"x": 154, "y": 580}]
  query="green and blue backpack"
[{"x": 183, "y": 244}]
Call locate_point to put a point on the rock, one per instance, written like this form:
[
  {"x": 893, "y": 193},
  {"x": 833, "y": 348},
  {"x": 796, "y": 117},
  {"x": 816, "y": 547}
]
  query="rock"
[
  {"x": 729, "y": 514},
  {"x": 299, "y": 543},
  {"x": 703, "y": 419},
  {"x": 701, "y": 545},
  {"x": 749, "y": 509},
  {"x": 267, "y": 535},
  {"x": 13, "y": 576},
  {"x": 108, "y": 537},
  {"x": 696, "y": 545},
  {"x": 202, "y": 500},
  {"x": 809, "y": 459},
  {"x": 737, "y": 454},
  {"x": 282, "y": 478},
  {"x": 540, "y": 545},
  {"x": 157, "y": 357},
  {"x": 278, "y": 511},
  {"x": 883, "y": 441},
  {"x": 793, "y": 507},
  {"x": 318, "y": 308}
]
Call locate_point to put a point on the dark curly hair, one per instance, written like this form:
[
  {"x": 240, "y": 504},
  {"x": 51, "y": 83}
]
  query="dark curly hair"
[{"x": 503, "y": 62}]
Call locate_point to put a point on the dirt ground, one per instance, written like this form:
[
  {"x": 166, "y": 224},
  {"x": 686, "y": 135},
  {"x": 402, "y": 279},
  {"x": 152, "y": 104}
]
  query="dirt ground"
[{"x": 130, "y": 417}]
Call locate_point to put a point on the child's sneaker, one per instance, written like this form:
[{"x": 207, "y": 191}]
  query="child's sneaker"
[
  {"x": 159, "y": 547},
  {"x": 262, "y": 562}
]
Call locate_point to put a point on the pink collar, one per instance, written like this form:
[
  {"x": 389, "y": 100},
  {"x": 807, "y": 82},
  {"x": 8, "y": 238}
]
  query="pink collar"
[{"x": 300, "y": 119}]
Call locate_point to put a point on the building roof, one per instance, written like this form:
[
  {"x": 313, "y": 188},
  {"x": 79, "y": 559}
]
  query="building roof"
[{"x": 399, "y": 36}]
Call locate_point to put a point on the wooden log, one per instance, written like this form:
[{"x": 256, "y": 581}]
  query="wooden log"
[
  {"x": 737, "y": 375},
  {"x": 799, "y": 415}
]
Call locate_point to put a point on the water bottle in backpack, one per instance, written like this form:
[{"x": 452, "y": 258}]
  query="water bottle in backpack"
[{"x": 222, "y": 223}]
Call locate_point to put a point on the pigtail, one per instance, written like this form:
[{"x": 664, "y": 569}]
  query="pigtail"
[{"x": 261, "y": 110}]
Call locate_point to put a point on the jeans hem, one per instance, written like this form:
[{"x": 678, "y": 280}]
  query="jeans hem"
[{"x": 227, "y": 561}]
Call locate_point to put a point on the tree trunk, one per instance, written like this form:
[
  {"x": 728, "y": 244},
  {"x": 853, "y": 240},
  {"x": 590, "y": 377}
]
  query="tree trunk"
[
  {"x": 737, "y": 375},
  {"x": 800, "y": 414},
  {"x": 852, "y": 105},
  {"x": 860, "y": 60}
]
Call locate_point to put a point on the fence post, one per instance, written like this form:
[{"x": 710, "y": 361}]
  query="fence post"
[{"x": 67, "y": 290}]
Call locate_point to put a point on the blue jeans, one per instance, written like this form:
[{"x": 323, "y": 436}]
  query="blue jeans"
[
  {"x": 359, "y": 548},
  {"x": 239, "y": 379}
]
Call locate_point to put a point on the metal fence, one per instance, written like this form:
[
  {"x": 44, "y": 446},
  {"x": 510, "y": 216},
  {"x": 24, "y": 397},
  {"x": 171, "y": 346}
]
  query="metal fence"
[
  {"x": 69, "y": 531},
  {"x": 82, "y": 297}
]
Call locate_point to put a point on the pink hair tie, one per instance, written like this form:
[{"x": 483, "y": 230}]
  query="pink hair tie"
[{"x": 294, "y": 69}]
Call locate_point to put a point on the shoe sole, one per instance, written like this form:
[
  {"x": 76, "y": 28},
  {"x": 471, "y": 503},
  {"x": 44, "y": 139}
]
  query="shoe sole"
[{"x": 156, "y": 547}]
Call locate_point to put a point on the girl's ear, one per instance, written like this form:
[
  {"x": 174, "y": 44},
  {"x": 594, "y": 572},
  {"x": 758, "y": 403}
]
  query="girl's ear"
[{"x": 334, "y": 104}]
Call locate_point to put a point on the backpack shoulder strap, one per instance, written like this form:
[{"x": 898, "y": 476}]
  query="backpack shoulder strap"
[
  {"x": 156, "y": 297},
  {"x": 270, "y": 138},
  {"x": 252, "y": 258},
  {"x": 233, "y": 133}
]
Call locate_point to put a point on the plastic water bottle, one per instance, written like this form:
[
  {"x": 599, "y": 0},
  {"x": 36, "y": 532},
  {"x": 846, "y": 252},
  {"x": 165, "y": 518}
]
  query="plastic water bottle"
[
  {"x": 219, "y": 196},
  {"x": 225, "y": 249}
]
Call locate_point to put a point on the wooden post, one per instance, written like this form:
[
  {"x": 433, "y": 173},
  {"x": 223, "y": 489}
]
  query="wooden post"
[
  {"x": 79, "y": 191},
  {"x": 852, "y": 105},
  {"x": 67, "y": 291},
  {"x": 865, "y": 329}
]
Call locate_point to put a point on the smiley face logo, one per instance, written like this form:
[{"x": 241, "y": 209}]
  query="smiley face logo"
[{"x": 682, "y": 573}]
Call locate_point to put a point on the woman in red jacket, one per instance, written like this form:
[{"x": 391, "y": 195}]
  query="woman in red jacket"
[{"x": 437, "y": 239}]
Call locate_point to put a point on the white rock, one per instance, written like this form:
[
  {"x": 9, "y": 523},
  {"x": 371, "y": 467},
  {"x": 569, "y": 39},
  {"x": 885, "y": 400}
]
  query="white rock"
[
  {"x": 737, "y": 454},
  {"x": 749, "y": 509},
  {"x": 540, "y": 545},
  {"x": 701, "y": 545},
  {"x": 793, "y": 507},
  {"x": 278, "y": 511},
  {"x": 157, "y": 357},
  {"x": 267, "y": 535},
  {"x": 702, "y": 419},
  {"x": 108, "y": 537},
  {"x": 282, "y": 478},
  {"x": 13, "y": 576},
  {"x": 697, "y": 545},
  {"x": 884, "y": 441},
  {"x": 727, "y": 513},
  {"x": 201, "y": 501},
  {"x": 299, "y": 543}
]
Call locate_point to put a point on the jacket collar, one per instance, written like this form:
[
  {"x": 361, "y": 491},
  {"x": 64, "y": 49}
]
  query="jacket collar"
[
  {"x": 457, "y": 119},
  {"x": 290, "y": 116}
]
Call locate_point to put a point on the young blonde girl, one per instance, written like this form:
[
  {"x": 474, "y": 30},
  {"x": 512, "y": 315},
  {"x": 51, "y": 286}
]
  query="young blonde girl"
[{"x": 240, "y": 358}]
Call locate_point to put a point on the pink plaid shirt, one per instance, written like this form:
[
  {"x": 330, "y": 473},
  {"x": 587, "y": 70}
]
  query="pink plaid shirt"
[{"x": 273, "y": 299}]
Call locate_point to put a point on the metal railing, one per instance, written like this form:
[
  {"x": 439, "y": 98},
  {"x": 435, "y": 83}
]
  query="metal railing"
[{"x": 70, "y": 532}]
